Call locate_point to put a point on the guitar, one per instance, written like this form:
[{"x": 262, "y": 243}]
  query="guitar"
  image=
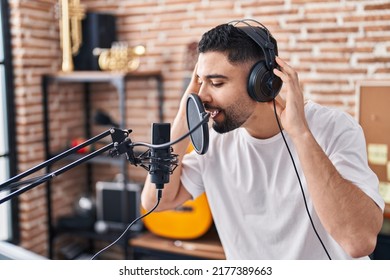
[
  {"x": 193, "y": 218},
  {"x": 189, "y": 221}
]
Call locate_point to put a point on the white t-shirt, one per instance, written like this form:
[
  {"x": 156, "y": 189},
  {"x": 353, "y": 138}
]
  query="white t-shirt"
[{"x": 254, "y": 194}]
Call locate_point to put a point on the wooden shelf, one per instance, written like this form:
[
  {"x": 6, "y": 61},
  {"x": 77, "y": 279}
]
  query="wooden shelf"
[
  {"x": 206, "y": 247},
  {"x": 100, "y": 76}
]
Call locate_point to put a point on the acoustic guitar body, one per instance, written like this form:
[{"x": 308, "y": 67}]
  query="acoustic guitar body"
[{"x": 189, "y": 221}]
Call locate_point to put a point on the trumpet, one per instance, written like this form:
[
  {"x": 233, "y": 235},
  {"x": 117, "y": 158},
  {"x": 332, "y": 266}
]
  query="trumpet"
[
  {"x": 71, "y": 15},
  {"x": 120, "y": 57}
]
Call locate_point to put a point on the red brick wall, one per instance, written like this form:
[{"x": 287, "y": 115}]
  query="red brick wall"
[{"x": 333, "y": 44}]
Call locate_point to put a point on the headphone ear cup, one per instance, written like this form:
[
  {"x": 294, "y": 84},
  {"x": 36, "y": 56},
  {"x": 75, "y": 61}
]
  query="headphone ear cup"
[
  {"x": 263, "y": 85},
  {"x": 275, "y": 83}
]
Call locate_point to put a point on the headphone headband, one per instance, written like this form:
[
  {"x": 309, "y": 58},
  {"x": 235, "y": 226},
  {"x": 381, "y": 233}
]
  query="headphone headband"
[
  {"x": 245, "y": 21},
  {"x": 262, "y": 40}
]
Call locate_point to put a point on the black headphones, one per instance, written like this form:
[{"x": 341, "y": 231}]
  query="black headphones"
[{"x": 263, "y": 84}]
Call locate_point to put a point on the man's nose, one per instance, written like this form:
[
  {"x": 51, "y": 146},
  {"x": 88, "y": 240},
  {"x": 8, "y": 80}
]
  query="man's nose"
[{"x": 204, "y": 94}]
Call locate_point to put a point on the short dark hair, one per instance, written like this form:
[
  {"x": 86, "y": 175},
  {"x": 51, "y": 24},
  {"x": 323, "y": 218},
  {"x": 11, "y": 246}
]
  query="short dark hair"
[{"x": 226, "y": 38}]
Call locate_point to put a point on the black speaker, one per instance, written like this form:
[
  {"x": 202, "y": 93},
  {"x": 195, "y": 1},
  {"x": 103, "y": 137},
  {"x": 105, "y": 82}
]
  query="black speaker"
[
  {"x": 99, "y": 31},
  {"x": 109, "y": 207}
]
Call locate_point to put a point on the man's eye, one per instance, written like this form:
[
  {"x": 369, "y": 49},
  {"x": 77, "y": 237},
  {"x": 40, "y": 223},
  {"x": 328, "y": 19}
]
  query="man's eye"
[{"x": 217, "y": 84}]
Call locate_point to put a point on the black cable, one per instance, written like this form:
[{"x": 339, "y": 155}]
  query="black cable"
[
  {"x": 159, "y": 195},
  {"x": 166, "y": 145},
  {"x": 299, "y": 180}
]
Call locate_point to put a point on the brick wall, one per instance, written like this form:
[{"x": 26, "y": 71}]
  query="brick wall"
[{"x": 333, "y": 45}]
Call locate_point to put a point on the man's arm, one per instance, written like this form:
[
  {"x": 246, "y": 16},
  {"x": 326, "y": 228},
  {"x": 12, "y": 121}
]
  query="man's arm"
[
  {"x": 174, "y": 193},
  {"x": 347, "y": 213}
]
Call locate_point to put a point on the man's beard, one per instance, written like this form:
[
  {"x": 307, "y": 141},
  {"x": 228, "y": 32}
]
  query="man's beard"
[{"x": 234, "y": 118}]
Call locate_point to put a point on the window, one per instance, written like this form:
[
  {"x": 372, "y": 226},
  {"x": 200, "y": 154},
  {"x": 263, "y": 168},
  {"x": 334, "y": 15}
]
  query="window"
[{"x": 7, "y": 145}]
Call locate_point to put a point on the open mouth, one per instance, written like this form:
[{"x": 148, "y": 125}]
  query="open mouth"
[{"x": 213, "y": 113}]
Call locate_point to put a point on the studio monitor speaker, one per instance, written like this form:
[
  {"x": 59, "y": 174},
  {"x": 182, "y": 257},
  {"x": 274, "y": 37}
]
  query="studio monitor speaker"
[
  {"x": 99, "y": 31},
  {"x": 110, "y": 208}
]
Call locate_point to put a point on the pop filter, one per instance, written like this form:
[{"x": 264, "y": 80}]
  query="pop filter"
[{"x": 195, "y": 115}]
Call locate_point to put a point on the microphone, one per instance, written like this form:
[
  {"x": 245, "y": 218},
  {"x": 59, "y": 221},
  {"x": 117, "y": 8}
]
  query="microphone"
[
  {"x": 160, "y": 158},
  {"x": 196, "y": 115}
]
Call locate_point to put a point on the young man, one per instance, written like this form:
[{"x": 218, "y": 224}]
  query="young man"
[{"x": 252, "y": 187}]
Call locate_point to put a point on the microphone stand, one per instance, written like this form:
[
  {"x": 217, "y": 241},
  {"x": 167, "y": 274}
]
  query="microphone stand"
[
  {"x": 120, "y": 144},
  {"x": 118, "y": 136}
]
